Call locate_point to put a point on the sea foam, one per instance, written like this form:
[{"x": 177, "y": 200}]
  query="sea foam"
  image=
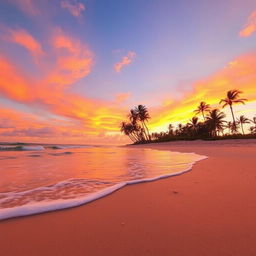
[
  {"x": 21, "y": 148},
  {"x": 58, "y": 204}
]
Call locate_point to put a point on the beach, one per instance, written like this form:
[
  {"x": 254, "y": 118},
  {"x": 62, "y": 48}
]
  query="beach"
[{"x": 207, "y": 211}]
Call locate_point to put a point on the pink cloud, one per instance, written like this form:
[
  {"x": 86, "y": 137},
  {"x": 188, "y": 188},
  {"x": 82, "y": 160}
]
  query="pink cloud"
[
  {"x": 74, "y": 7},
  {"x": 126, "y": 60},
  {"x": 27, "y": 6},
  {"x": 26, "y": 40},
  {"x": 74, "y": 60},
  {"x": 250, "y": 27},
  {"x": 121, "y": 97}
]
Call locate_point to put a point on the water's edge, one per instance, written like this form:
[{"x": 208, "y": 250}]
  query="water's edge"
[{"x": 39, "y": 208}]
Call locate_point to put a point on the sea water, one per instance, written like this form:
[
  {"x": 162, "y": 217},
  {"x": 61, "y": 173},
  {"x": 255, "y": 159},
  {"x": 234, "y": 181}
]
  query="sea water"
[{"x": 41, "y": 178}]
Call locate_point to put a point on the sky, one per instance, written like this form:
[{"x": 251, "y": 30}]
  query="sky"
[{"x": 70, "y": 70}]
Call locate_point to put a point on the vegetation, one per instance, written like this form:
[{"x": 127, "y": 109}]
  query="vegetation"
[
  {"x": 202, "y": 108},
  {"x": 231, "y": 99},
  {"x": 213, "y": 124},
  {"x": 137, "y": 129}
]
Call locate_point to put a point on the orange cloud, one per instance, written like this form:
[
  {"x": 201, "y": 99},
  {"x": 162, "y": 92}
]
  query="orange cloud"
[
  {"x": 20, "y": 126},
  {"x": 250, "y": 27},
  {"x": 12, "y": 82},
  {"x": 126, "y": 60},
  {"x": 74, "y": 7},
  {"x": 238, "y": 74},
  {"x": 23, "y": 38},
  {"x": 121, "y": 97},
  {"x": 74, "y": 60}
]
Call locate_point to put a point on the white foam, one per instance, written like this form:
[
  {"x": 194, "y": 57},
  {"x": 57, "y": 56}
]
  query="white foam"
[
  {"x": 42, "y": 207},
  {"x": 32, "y": 148},
  {"x": 25, "y": 148},
  {"x": 70, "y": 146}
]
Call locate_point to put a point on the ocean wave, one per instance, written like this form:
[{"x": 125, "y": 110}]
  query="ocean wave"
[
  {"x": 22, "y": 148},
  {"x": 67, "y": 194},
  {"x": 68, "y": 146},
  {"x": 61, "y": 154}
]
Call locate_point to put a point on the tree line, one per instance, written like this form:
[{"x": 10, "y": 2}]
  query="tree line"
[{"x": 212, "y": 126}]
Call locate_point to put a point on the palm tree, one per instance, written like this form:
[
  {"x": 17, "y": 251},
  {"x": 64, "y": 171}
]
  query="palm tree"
[
  {"x": 232, "y": 128},
  {"x": 194, "y": 124},
  {"x": 133, "y": 117},
  {"x": 202, "y": 108},
  {"x": 143, "y": 116},
  {"x": 127, "y": 129},
  {"x": 252, "y": 129},
  {"x": 216, "y": 121},
  {"x": 229, "y": 125},
  {"x": 179, "y": 129},
  {"x": 254, "y": 120},
  {"x": 170, "y": 129},
  {"x": 243, "y": 120},
  {"x": 232, "y": 98}
]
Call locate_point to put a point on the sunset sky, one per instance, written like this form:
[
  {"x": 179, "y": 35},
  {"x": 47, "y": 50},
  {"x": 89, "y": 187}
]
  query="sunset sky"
[{"x": 70, "y": 70}]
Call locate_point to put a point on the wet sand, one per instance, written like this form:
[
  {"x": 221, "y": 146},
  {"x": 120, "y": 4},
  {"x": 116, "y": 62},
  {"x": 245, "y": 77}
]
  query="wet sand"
[{"x": 210, "y": 211}]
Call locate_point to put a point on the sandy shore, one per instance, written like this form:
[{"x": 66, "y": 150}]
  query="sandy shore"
[{"x": 210, "y": 211}]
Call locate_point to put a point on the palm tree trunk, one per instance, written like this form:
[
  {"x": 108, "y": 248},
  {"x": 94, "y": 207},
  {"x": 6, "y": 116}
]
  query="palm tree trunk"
[
  {"x": 242, "y": 128},
  {"x": 131, "y": 138},
  {"x": 136, "y": 135},
  {"x": 232, "y": 114},
  {"x": 203, "y": 115},
  {"x": 135, "y": 138},
  {"x": 144, "y": 128},
  {"x": 148, "y": 135}
]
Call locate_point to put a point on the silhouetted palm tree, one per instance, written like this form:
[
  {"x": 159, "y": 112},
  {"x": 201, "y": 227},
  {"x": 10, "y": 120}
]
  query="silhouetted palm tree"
[
  {"x": 232, "y": 128},
  {"x": 127, "y": 129},
  {"x": 179, "y": 129},
  {"x": 202, "y": 108},
  {"x": 243, "y": 120},
  {"x": 252, "y": 129},
  {"x": 192, "y": 126},
  {"x": 193, "y": 123},
  {"x": 143, "y": 116},
  {"x": 232, "y": 98},
  {"x": 254, "y": 120},
  {"x": 229, "y": 126},
  {"x": 216, "y": 121},
  {"x": 133, "y": 116},
  {"x": 170, "y": 129}
]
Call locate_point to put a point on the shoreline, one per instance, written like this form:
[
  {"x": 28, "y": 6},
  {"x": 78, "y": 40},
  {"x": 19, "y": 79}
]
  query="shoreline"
[
  {"x": 40, "y": 207},
  {"x": 198, "y": 213}
]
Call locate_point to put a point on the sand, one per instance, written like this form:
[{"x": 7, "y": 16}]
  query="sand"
[{"x": 208, "y": 211}]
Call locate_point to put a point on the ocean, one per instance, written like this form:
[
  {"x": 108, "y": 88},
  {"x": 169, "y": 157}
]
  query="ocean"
[{"x": 40, "y": 178}]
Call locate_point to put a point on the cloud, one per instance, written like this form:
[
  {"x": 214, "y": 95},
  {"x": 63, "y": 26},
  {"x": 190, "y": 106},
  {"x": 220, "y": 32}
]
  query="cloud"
[
  {"x": 31, "y": 132},
  {"x": 69, "y": 61},
  {"x": 238, "y": 74},
  {"x": 6, "y": 123},
  {"x": 250, "y": 27},
  {"x": 12, "y": 83},
  {"x": 74, "y": 60},
  {"x": 26, "y": 40},
  {"x": 121, "y": 97},
  {"x": 126, "y": 60},
  {"x": 74, "y": 7},
  {"x": 27, "y": 6}
]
